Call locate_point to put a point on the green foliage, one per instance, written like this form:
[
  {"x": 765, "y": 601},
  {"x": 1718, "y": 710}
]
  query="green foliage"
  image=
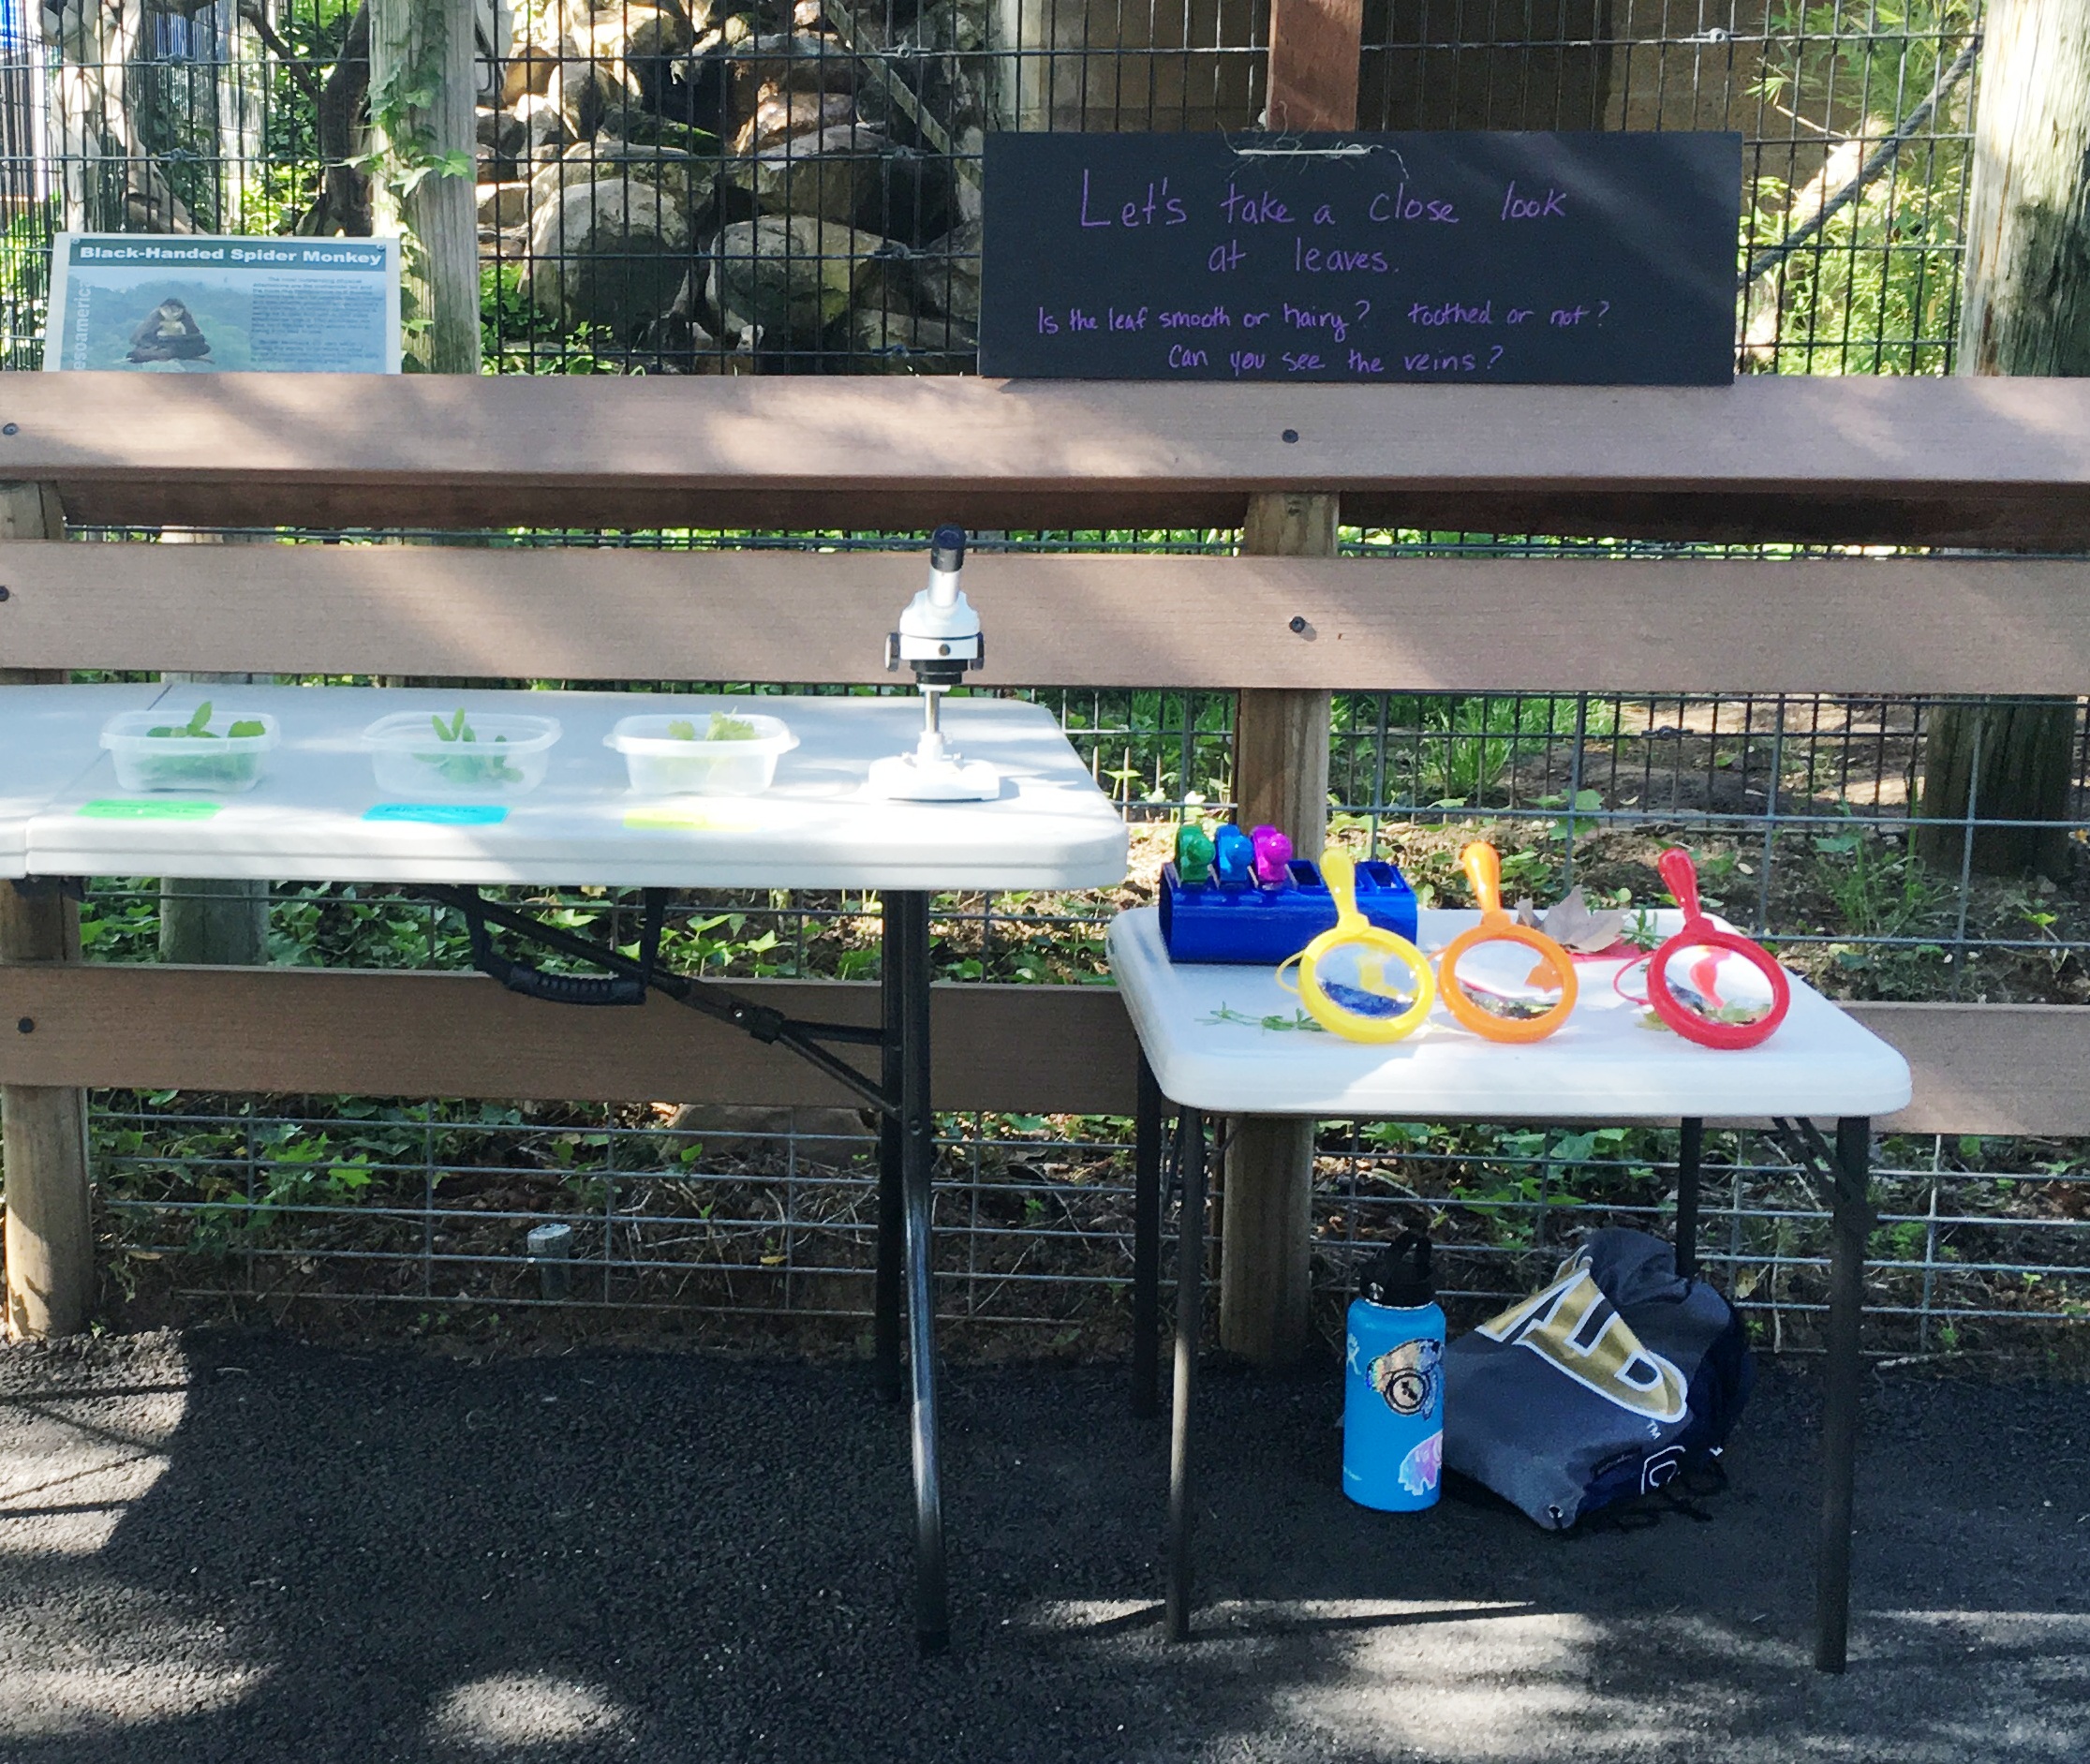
[{"x": 1876, "y": 291}]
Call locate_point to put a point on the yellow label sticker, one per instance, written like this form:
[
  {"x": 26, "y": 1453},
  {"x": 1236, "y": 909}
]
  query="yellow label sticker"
[{"x": 692, "y": 818}]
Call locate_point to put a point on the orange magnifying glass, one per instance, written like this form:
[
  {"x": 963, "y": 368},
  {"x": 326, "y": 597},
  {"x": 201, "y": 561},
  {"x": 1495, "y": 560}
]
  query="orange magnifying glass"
[{"x": 1487, "y": 975}]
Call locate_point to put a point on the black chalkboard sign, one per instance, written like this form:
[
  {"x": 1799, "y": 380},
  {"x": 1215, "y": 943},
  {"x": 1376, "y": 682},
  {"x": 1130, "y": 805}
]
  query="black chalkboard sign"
[{"x": 1564, "y": 260}]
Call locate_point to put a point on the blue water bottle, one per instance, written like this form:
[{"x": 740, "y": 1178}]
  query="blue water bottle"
[{"x": 1393, "y": 1383}]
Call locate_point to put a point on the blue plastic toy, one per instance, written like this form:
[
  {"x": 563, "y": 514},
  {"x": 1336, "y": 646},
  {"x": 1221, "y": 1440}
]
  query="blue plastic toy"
[{"x": 1242, "y": 898}]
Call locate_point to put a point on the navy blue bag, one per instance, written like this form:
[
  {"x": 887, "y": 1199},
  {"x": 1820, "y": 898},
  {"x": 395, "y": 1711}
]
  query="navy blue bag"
[{"x": 1613, "y": 1381}]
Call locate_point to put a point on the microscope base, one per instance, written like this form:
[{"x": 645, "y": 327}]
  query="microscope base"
[{"x": 907, "y": 778}]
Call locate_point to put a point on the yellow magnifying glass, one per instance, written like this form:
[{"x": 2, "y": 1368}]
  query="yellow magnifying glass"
[
  {"x": 1489, "y": 982},
  {"x": 1357, "y": 980}
]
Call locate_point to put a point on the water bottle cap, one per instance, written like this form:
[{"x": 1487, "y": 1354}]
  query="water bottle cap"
[{"x": 1398, "y": 1275}]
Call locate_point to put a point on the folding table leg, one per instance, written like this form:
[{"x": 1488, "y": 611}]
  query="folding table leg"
[
  {"x": 1190, "y": 1322},
  {"x": 932, "y": 1622},
  {"x": 1850, "y": 1219},
  {"x": 1690, "y": 1155},
  {"x": 885, "y": 1291},
  {"x": 1145, "y": 1246}
]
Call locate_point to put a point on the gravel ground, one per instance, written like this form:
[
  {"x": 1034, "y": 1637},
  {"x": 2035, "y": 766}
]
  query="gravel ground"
[{"x": 243, "y": 1549}]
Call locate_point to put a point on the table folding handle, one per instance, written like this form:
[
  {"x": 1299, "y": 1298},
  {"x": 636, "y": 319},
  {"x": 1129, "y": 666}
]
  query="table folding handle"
[{"x": 534, "y": 982}]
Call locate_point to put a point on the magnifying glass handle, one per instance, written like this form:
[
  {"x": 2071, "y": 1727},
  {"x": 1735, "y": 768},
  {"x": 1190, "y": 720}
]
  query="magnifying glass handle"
[
  {"x": 1339, "y": 870},
  {"x": 1484, "y": 870},
  {"x": 1681, "y": 876}
]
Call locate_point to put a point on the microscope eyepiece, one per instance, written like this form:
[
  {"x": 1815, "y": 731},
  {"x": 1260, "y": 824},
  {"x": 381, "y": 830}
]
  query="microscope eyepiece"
[{"x": 947, "y": 549}]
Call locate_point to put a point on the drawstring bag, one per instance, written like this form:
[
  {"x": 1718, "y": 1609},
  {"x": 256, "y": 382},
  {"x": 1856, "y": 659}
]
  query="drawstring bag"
[{"x": 1614, "y": 1380}]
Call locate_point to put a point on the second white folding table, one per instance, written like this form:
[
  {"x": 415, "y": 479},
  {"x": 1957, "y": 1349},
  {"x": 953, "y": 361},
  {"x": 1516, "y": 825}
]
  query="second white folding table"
[{"x": 1206, "y": 1048}]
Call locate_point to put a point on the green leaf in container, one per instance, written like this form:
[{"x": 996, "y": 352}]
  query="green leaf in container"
[
  {"x": 725, "y": 728},
  {"x": 681, "y": 728},
  {"x": 246, "y": 729}
]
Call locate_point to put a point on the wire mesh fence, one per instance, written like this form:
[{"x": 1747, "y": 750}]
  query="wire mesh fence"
[
  {"x": 729, "y": 187},
  {"x": 794, "y": 185}
]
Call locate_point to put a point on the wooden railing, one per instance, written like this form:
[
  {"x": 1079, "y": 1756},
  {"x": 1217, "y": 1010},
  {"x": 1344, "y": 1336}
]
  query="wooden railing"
[{"x": 1991, "y": 463}]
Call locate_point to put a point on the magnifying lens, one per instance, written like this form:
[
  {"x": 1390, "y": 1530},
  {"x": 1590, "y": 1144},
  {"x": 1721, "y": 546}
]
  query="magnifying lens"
[
  {"x": 1490, "y": 980},
  {"x": 1713, "y": 986},
  {"x": 1357, "y": 980}
]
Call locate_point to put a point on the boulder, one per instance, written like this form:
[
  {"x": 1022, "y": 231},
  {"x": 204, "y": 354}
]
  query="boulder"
[
  {"x": 947, "y": 273},
  {"x": 788, "y": 277},
  {"x": 609, "y": 254},
  {"x": 680, "y": 177},
  {"x": 887, "y": 342},
  {"x": 838, "y": 174},
  {"x": 782, "y": 114},
  {"x": 503, "y": 205},
  {"x": 544, "y": 127},
  {"x": 766, "y": 67}
]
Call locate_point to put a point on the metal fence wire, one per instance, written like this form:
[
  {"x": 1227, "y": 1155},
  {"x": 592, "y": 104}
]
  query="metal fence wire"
[
  {"x": 713, "y": 186},
  {"x": 727, "y": 188}
]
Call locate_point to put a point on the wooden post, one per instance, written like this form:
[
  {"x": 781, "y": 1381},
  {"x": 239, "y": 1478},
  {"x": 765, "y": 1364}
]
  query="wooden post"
[
  {"x": 1281, "y": 778},
  {"x": 2026, "y": 310},
  {"x": 423, "y": 75},
  {"x": 43, "y": 1128},
  {"x": 225, "y": 923}
]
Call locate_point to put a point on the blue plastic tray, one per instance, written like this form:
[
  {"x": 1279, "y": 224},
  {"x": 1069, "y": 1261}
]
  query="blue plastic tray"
[{"x": 1211, "y": 924}]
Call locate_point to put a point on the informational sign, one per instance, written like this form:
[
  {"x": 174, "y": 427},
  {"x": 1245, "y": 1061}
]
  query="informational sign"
[
  {"x": 184, "y": 304},
  {"x": 1532, "y": 259}
]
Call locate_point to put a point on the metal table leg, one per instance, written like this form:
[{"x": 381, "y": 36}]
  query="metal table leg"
[
  {"x": 1690, "y": 1155},
  {"x": 885, "y": 1297},
  {"x": 1850, "y": 1220},
  {"x": 1190, "y": 1320},
  {"x": 932, "y": 1622},
  {"x": 1145, "y": 1246}
]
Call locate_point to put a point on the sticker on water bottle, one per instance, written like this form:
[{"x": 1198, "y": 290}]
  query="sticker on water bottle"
[
  {"x": 1421, "y": 1467},
  {"x": 1411, "y": 1377}
]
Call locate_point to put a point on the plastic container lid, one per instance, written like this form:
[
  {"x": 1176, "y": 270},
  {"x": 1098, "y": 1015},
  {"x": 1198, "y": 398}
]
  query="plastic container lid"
[{"x": 1398, "y": 1275}]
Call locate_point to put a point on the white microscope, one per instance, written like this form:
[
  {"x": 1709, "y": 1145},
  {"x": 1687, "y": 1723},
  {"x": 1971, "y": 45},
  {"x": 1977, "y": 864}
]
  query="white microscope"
[{"x": 939, "y": 639}]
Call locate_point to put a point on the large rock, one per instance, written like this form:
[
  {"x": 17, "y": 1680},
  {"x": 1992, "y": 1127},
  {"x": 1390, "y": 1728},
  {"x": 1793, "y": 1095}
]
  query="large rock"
[
  {"x": 790, "y": 277},
  {"x": 609, "y": 254},
  {"x": 682, "y": 179},
  {"x": 838, "y": 174},
  {"x": 781, "y": 114},
  {"x": 909, "y": 342},
  {"x": 544, "y": 130},
  {"x": 503, "y": 205},
  {"x": 947, "y": 273}
]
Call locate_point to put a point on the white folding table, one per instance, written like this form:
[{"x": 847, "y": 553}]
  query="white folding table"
[
  {"x": 319, "y": 815},
  {"x": 1205, "y": 1050}
]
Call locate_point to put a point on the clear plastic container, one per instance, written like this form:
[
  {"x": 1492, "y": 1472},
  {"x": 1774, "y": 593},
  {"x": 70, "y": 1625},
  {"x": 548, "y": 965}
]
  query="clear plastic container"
[
  {"x": 664, "y": 760},
  {"x": 218, "y": 762},
  {"x": 476, "y": 753}
]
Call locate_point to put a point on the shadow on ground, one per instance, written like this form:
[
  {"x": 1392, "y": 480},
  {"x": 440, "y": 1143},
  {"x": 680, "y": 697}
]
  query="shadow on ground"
[{"x": 247, "y": 1549}]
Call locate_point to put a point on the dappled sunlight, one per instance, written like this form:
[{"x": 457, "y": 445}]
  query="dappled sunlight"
[
  {"x": 511, "y": 1709},
  {"x": 161, "y": 1668},
  {"x": 74, "y": 1462}
]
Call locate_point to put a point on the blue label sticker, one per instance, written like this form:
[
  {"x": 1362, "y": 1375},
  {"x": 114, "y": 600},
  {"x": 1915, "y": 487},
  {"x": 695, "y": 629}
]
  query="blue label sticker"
[{"x": 440, "y": 814}]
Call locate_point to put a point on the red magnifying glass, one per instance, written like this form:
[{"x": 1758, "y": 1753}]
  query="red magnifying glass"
[{"x": 1713, "y": 986}]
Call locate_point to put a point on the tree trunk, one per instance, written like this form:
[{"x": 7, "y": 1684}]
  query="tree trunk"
[
  {"x": 423, "y": 72},
  {"x": 2026, "y": 310},
  {"x": 109, "y": 177}
]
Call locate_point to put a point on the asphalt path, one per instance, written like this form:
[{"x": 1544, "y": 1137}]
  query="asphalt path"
[{"x": 234, "y": 1549}]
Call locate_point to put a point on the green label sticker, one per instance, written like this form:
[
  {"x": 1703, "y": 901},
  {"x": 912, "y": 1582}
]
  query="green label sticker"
[
  {"x": 148, "y": 808},
  {"x": 690, "y": 818}
]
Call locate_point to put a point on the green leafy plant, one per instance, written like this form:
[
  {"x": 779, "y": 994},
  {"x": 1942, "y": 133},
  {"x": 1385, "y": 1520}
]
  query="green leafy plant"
[
  {"x": 468, "y": 768},
  {"x": 723, "y": 727},
  {"x": 198, "y": 727}
]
